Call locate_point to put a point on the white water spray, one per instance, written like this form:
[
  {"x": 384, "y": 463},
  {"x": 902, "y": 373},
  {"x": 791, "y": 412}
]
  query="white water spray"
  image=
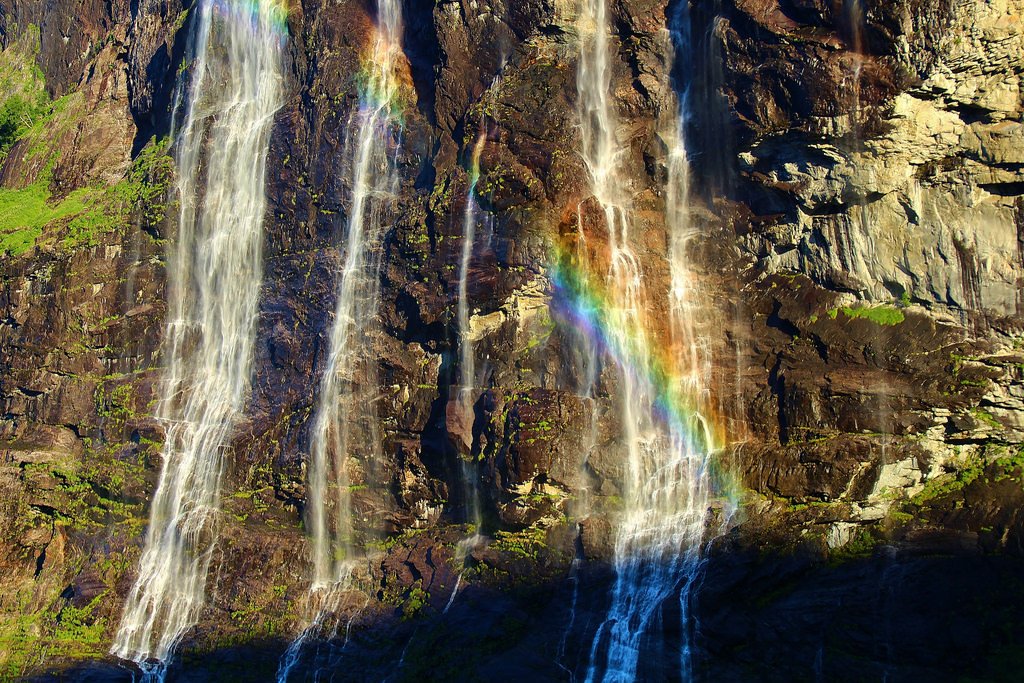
[{"x": 214, "y": 273}]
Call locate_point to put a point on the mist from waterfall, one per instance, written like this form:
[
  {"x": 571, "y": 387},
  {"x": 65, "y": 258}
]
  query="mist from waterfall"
[
  {"x": 662, "y": 396},
  {"x": 214, "y": 272}
]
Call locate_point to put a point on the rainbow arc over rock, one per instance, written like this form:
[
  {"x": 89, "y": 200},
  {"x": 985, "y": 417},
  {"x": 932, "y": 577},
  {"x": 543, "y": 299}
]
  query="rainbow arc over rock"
[{"x": 584, "y": 302}]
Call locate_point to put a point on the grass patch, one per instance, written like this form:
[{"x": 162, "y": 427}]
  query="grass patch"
[
  {"x": 88, "y": 212},
  {"x": 984, "y": 416},
  {"x": 959, "y": 476},
  {"x": 880, "y": 315},
  {"x": 527, "y": 544},
  {"x": 24, "y": 213},
  {"x": 143, "y": 187},
  {"x": 28, "y": 115}
]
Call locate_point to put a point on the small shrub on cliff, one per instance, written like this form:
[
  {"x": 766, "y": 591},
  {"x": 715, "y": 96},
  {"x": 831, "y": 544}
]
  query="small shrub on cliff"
[
  {"x": 17, "y": 115},
  {"x": 23, "y": 99}
]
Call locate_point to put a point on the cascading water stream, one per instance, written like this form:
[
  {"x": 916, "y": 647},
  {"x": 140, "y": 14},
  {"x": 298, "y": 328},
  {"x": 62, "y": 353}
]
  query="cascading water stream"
[
  {"x": 854, "y": 19},
  {"x": 468, "y": 380},
  {"x": 345, "y": 422},
  {"x": 662, "y": 396},
  {"x": 214, "y": 273},
  {"x": 467, "y": 352}
]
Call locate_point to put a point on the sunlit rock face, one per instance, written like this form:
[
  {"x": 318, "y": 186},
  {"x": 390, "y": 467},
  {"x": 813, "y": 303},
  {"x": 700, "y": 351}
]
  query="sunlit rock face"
[
  {"x": 855, "y": 183},
  {"x": 902, "y": 180}
]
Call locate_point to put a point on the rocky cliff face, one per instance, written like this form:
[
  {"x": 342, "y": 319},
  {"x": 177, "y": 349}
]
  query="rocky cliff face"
[{"x": 857, "y": 172}]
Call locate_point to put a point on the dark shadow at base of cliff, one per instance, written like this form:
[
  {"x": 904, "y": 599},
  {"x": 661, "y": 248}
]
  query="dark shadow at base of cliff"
[
  {"x": 893, "y": 616},
  {"x": 256, "y": 660}
]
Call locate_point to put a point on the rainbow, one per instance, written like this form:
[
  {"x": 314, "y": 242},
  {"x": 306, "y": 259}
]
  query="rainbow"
[
  {"x": 582, "y": 302},
  {"x": 474, "y": 166},
  {"x": 258, "y": 14},
  {"x": 381, "y": 81}
]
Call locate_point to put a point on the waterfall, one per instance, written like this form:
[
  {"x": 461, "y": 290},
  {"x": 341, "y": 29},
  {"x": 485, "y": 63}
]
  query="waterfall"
[
  {"x": 345, "y": 424},
  {"x": 345, "y": 421},
  {"x": 467, "y": 360},
  {"x": 662, "y": 396},
  {"x": 467, "y": 357},
  {"x": 214, "y": 276}
]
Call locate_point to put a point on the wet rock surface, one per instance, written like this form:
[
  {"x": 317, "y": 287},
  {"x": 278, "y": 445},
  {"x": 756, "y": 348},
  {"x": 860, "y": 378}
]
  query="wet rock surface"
[{"x": 858, "y": 194}]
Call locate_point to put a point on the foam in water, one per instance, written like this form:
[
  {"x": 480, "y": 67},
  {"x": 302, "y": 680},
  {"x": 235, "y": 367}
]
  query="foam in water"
[
  {"x": 669, "y": 437},
  {"x": 214, "y": 273}
]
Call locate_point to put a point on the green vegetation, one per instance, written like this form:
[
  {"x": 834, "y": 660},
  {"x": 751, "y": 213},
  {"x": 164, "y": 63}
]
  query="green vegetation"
[
  {"x": 24, "y": 99},
  {"x": 17, "y": 114},
  {"x": 54, "y": 629},
  {"x": 79, "y": 217},
  {"x": 117, "y": 405},
  {"x": 540, "y": 330},
  {"x": 958, "y": 476},
  {"x": 143, "y": 187},
  {"x": 860, "y": 545},
  {"x": 1010, "y": 466},
  {"x": 946, "y": 491},
  {"x": 78, "y": 626},
  {"x": 880, "y": 315},
  {"x": 984, "y": 416},
  {"x": 257, "y": 617},
  {"x": 526, "y": 544},
  {"x": 416, "y": 598},
  {"x": 87, "y": 212},
  {"x": 87, "y": 499},
  {"x": 390, "y": 542},
  {"x": 24, "y": 213}
]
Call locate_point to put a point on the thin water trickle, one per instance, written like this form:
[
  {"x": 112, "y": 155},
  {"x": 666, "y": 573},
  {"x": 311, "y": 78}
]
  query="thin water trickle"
[
  {"x": 345, "y": 428},
  {"x": 862, "y": 252},
  {"x": 667, "y": 488},
  {"x": 326, "y": 605},
  {"x": 574, "y": 578},
  {"x": 451, "y": 598},
  {"x": 467, "y": 356},
  {"x": 469, "y": 382},
  {"x": 214, "y": 272},
  {"x": 291, "y": 656},
  {"x": 345, "y": 424}
]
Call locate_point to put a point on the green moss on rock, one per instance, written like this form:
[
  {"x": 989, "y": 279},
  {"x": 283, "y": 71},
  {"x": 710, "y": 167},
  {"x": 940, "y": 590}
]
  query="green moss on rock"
[{"x": 880, "y": 315}]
